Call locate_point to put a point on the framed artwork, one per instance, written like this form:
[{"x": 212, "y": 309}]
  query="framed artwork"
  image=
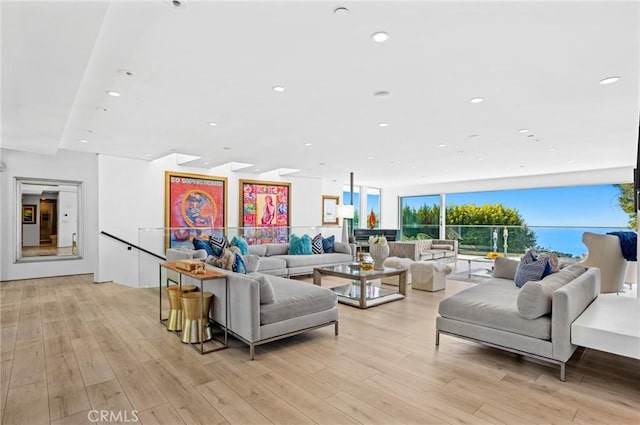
[
  {"x": 195, "y": 207},
  {"x": 264, "y": 211},
  {"x": 329, "y": 207},
  {"x": 28, "y": 214}
]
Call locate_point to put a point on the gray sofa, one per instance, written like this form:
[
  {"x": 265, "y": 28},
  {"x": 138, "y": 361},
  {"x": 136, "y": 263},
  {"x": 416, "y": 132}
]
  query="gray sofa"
[
  {"x": 274, "y": 260},
  {"x": 265, "y": 308},
  {"x": 442, "y": 250},
  {"x": 534, "y": 320}
]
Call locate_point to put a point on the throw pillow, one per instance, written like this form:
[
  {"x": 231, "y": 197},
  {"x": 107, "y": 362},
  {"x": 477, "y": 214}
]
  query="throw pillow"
[
  {"x": 240, "y": 243},
  {"x": 238, "y": 264},
  {"x": 252, "y": 262},
  {"x": 218, "y": 244},
  {"x": 316, "y": 244},
  {"x": 530, "y": 268},
  {"x": 200, "y": 244},
  {"x": 266, "y": 290},
  {"x": 505, "y": 268},
  {"x": 295, "y": 245},
  {"x": 306, "y": 245},
  {"x": 327, "y": 244},
  {"x": 531, "y": 271}
]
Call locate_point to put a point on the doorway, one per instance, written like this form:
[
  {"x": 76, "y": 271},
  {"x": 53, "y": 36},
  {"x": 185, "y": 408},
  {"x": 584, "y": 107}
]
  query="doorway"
[{"x": 48, "y": 222}]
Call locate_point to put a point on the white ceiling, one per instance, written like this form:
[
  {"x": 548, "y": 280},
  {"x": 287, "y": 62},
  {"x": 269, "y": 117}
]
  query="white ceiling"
[{"x": 537, "y": 64}]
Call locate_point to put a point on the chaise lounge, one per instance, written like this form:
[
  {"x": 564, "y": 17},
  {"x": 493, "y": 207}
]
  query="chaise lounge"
[{"x": 534, "y": 320}]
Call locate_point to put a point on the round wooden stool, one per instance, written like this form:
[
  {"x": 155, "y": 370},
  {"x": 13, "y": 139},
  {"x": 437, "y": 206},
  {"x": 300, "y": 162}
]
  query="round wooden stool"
[
  {"x": 174, "y": 322},
  {"x": 194, "y": 324}
]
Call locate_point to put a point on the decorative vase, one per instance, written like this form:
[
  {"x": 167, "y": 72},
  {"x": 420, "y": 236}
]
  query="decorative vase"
[{"x": 379, "y": 253}]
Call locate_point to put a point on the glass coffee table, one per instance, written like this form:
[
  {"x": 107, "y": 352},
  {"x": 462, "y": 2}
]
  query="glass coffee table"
[{"x": 361, "y": 291}]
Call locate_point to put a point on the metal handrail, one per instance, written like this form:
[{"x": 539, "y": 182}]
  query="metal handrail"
[{"x": 130, "y": 245}]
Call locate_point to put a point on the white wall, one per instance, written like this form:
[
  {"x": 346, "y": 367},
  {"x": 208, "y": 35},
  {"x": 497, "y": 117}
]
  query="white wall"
[
  {"x": 65, "y": 165},
  {"x": 31, "y": 232}
]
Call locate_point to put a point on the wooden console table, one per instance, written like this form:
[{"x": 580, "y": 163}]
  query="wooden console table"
[{"x": 200, "y": 277}]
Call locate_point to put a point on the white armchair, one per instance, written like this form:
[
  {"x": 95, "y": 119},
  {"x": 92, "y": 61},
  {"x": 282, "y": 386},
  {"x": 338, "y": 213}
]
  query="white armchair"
[{"x": 605, "y": 253}]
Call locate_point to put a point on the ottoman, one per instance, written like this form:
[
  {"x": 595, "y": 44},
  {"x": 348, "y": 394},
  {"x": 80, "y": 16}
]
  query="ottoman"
[
  {"x": 398, "y": 263},
  {"x": 429, "y": 275}
]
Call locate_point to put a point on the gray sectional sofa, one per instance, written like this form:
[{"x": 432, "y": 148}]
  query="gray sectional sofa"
[
  {"x": 265, "y": 308},
  {"x": 273, "y": 259},
  {"x": 534, "y": 320}
]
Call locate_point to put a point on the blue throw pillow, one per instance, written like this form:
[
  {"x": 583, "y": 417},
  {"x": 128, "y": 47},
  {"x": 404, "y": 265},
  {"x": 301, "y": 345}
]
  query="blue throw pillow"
[
  {"x": 316, "y": 244},
  {"x": 531, "y": 271},
  {"x": 295, "y": 245},
  {"x": 327, "y": 244},
  {"x": 218, "y": 244},
  {"x": 306, "y": 245},
  {"x": 200, "y": 244},
  {"x": 241, "y": 244},
  {"x": 239, "y": 265}
]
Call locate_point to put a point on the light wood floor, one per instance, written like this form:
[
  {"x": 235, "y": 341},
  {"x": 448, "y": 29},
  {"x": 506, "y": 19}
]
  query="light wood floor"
[{"x": 71, "y": 349}]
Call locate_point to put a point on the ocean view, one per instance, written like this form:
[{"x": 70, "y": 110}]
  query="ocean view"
[{"x": 568, "y": 240}]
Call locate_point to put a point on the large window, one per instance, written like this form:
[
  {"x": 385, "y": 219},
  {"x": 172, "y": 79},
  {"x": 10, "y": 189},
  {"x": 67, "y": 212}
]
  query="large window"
[{"x": 514, "y": 220}]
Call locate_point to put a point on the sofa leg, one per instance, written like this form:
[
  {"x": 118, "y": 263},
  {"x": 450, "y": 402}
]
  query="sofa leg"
[
  {"x": 562, "y": 372},
  {"x": 437, "y": 337},
  {"x": 251, "y": 351},
  {"x": 336, "y": 327}
]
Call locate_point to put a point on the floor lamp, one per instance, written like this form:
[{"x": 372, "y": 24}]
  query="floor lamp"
[{"x": 346, "y": 212}]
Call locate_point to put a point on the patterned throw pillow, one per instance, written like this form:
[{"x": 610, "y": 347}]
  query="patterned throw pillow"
[
  {"x": 240, "y": 243},
  {"x": 200, "y": 244},
  {"x": 316, "y": 244},
  {"x": 531, "y": 269},
  {"x": 218, "y": 244}
]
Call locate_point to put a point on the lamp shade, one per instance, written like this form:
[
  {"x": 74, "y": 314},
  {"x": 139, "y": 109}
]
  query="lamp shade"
[{"x": 345, "y": 211}]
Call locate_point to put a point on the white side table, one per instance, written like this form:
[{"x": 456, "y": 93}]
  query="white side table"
[{"x": 612, "y": 324}]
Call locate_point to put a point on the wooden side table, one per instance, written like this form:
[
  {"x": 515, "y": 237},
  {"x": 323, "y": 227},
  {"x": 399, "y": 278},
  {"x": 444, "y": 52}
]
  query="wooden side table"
[{"x": 199, "y": 277}]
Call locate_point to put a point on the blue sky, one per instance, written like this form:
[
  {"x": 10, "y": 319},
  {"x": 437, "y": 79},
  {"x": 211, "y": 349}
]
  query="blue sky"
[{"x": 582, "y": 206}]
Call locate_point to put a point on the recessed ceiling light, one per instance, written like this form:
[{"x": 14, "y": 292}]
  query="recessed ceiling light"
[
  {"x": 341, "y": 11},
  {"x": 523, "y": 130},
  {"x": 477, "y": 100},
  {"x": 552, "y": 148},
  {"x": 278, "y": 89},
  {"x": 83, "y": 141},
  {"x": 383, "y": 124},
  {"x": 380, "y": 37},
  {"x": 441, "y": 145},
  {"x": 369, "y": 157},
  {"x": 205, "y": 163},
  {"x": 382, "y": 93},
  {"x": 213, "y": 124},
  {"x": 113, "y": 93},
  {"x": 609, "y": 80},
  {"x": 308, "y": 144}
]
